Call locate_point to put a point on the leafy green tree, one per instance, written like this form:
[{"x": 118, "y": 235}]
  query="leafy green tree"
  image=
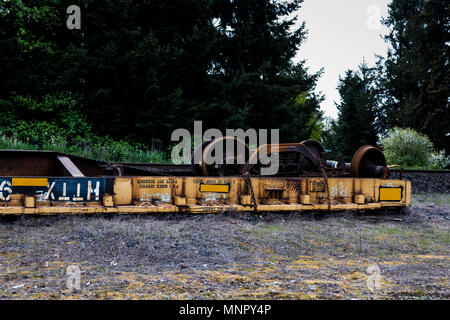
[{"x": 38, "y": 121}]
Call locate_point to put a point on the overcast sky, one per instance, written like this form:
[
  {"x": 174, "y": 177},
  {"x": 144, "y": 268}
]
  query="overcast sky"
[{"x": 341, "y": 33}]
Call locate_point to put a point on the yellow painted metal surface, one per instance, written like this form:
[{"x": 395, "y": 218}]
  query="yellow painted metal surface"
[
  {"x": 391, "y": 194},
  {"x": 359, "y": 198},
  {"x": 30, "y": 202},
  {"x": 220, "y": 188},
  {"x": 142, "y": 195},
  {"x": 29, "y": 182},
  {"x": 122, "y": 191}
]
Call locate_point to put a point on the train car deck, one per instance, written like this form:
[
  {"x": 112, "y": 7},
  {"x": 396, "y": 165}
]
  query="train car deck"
[{"x": 150, "y": 194}]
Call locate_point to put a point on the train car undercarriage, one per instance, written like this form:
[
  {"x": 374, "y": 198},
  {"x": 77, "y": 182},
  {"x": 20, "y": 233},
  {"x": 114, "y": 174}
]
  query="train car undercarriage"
[{"x": 47, "y": 183}]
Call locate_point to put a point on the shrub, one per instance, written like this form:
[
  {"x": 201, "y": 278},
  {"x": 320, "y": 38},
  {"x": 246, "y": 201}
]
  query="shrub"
[
  {"x": 440, "y": 161},
  {"x": 411, "y": 149},
  {"x": 57, "y": 124}
]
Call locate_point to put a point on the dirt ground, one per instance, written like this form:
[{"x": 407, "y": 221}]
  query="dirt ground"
[{"x": 376, "y": 255}]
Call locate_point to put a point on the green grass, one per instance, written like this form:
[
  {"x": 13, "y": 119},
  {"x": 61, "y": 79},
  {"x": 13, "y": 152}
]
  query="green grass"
[
  {"x": 434, "y": 198},
  {"x": 15, "y": 144},
  {"x": 103, "y": 149}
]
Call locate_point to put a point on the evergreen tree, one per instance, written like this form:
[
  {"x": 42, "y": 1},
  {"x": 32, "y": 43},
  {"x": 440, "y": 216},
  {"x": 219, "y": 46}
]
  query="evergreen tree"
[
  {"x": 140, "y": 69},
  {"x": 356, "y": 123},
  {"x": 257, "y": 84},
  {"x": 416, "y": 71}
]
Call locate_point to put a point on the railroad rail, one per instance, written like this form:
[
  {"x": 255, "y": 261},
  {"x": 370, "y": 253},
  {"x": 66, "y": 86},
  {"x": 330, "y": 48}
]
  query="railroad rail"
[{"x": 46, "y": 182}]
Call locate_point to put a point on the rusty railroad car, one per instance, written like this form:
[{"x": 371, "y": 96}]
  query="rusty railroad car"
[{"x": 48, "y": 183}]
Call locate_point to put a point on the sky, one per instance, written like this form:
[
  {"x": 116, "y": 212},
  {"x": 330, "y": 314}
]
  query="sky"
[{"x": 341, "y": 33}]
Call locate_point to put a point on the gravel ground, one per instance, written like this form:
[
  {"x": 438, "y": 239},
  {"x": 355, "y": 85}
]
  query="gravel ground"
[
  {"x": 231, "y": 256},
  {"x": 430, "y": 182}
]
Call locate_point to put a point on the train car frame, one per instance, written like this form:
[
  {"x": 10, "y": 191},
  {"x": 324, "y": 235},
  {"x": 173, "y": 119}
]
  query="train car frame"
[{"x": 49, "y": 183}]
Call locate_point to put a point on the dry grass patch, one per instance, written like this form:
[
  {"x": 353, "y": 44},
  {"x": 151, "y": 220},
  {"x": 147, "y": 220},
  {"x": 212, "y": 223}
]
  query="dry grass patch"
[{"x": 228, "y": 256}]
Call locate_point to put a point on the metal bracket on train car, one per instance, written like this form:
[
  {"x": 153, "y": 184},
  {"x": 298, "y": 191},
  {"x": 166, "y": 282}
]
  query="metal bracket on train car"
[
  {"x": 388, "y": 168},
  {"x": 248, "y": 184},
  {"x": 326, "y": 187}
]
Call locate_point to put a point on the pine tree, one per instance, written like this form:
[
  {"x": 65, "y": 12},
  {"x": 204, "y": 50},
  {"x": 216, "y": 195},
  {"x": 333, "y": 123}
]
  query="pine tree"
[
  {"x": 356, "y": 123},
  {"x": 416, "y": 71},
  {"x": 256, "y": 83},
  {"x": 140, "y": 69}
]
